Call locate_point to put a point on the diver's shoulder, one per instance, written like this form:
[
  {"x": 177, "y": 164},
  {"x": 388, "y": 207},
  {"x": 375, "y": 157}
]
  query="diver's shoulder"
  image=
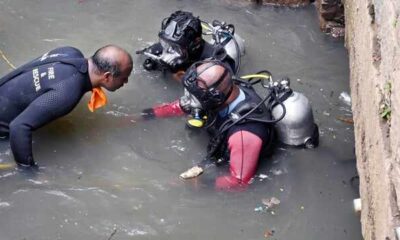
[{"x": 71, "y": 51}]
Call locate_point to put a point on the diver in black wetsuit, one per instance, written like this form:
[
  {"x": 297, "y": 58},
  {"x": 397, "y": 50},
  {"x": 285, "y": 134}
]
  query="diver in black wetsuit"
[
  {"x": 50, "y": 86},
  {"x": 181, "y": 44}
]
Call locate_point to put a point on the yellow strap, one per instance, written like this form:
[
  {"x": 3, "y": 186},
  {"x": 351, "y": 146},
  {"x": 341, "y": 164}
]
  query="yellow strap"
[
  {"x": 6, "y": 59},
  {"x": 203, "y": 25},
  {"x": 7, "y": 166},
  {"x": 256, "y": 76}
]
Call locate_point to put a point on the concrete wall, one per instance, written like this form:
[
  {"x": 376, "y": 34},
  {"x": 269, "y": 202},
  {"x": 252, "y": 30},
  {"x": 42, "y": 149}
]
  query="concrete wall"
[{"x": 373, "y": 42}]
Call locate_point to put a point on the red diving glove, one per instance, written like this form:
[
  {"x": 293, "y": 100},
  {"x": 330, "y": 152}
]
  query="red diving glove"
[{"x": 164, "y": 110}]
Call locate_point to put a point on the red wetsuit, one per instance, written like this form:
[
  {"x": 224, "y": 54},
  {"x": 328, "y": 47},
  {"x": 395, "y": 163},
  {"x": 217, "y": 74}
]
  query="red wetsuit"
[{"x": 244, "y": 143}]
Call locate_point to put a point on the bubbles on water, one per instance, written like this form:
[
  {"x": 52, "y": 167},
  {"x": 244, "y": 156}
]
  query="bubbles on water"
[
  {"x": 278, "y": 172},
  {"x": 177, "y": 145},
  {"x": 116, "y": 113},
  {"x": 4, "y": 204},
  {"x": 60, "y": 194},
  {"x": 136, "y": 232},
  {"x": 5, "y": 154},
  {"x": 20, "y": 191},
  {"x": 8, "y": 174},
  {"x": 37, "y": 182}
]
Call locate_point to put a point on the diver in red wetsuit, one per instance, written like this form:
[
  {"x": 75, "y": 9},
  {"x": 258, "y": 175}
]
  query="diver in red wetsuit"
[{"x": 238, "y": 124}]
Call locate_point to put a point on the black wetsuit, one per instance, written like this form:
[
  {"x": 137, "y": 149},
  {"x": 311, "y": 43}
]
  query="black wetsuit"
[
  {"x": 210, "y": 52},
  {"x": 37, "y": 93},
  {"x": 207, "y": 51}
]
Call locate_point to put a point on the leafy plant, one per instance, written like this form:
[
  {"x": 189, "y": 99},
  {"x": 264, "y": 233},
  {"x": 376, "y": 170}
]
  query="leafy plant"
[
  {"x": 386, "y": 112},
  {"x": 385, "y": 109}
]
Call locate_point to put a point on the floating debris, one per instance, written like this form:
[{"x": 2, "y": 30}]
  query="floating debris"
[
  {"x": 192, "y": 172},
  {"x": 345, "y": 98},
  {"x": 268, "y": 233},
  {"x": 259, "y": 209},
  {"x": 348, "y": 120},
  {"x": 277, "y": 172},
  {"x": 326, "y": 113},
  {"x": 263, "y": 176},
  {"x": 270, "y": 202}
]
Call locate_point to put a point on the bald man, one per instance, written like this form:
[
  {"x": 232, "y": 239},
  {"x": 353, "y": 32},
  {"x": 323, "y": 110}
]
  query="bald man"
[
  {"x": 50, "y": 86},
  {"x": 237, "y": 121}
]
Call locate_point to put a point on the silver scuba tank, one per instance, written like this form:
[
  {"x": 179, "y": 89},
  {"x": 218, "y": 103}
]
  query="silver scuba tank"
[
  {"x": 234, "y": 48},
  {"x": 297, "y": 128}
]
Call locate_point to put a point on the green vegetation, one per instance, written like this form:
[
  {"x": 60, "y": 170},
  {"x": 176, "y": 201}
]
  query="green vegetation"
[{"x": 385, "y": 108}]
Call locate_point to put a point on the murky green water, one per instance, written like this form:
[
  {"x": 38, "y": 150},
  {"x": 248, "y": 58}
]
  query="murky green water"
[{"x": 101, "y": 176}]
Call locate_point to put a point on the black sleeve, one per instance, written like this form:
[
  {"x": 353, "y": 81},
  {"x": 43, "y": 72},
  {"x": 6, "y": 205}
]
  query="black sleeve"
[{"x": 44, "y": 109}]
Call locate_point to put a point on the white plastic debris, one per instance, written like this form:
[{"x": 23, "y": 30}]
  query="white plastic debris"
[
  {"x": 263, "y": 176},
  {"x": 192, "y": 172},
  {"x": 357, "y": 205},
  {"x": 345, "y": 98},
  {"x": 270, "y": 202}
]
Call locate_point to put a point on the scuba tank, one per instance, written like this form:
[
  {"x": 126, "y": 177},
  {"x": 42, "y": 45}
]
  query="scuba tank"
[
  {"x": 292, "y": 116},
  {"x": 294, "y": 120},
  {"x": 224, "y": 36},
  {"x": 297, "y": 128}
]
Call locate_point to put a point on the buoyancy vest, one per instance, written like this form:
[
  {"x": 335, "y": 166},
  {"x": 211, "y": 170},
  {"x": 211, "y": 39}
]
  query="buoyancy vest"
[{"x": 217, "y": 147}]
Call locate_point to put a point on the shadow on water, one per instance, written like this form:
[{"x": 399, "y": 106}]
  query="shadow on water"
[{"x": 102, "y": 177}]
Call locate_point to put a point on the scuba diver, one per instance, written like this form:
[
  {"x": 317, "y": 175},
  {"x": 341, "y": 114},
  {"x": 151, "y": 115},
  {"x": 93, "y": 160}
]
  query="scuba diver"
[
  {"x": 181, "y": 44},
  {"x": 50, "y": 86},
  {"x": 239, "y": 121}
]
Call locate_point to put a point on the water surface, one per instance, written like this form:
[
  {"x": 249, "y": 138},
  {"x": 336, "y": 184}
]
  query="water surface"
[{"x": 101, "y": 177}]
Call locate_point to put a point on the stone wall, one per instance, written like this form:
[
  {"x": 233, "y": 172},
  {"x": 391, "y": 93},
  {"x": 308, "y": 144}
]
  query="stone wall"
[
  {"x": 373, "y": 42},
  {"x": 290, "y": 3},
  {"x": 331, "y": 13},
  {"x": 331, "y": 17}
]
